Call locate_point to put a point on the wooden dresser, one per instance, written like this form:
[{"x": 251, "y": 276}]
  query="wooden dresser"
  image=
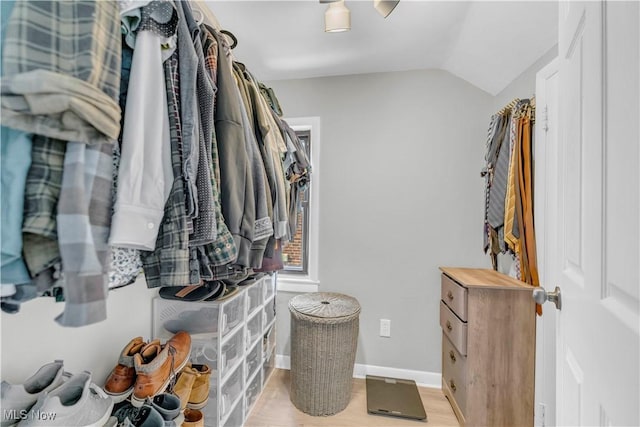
[{"x": 488, "y": 347}]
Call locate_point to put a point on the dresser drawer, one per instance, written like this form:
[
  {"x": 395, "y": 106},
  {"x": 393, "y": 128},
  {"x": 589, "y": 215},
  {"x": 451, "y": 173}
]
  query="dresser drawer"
[
  {"x": 455, "y": 296},
  {"x": 454, "y": 328},
  {"x": 454, "y": 373}
]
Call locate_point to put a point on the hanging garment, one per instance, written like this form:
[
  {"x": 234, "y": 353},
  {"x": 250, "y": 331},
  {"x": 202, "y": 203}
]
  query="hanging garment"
[
  {"x": 271, "y": 98},
  {"x": 44, "y": 92},
  {"x": 526, "y": 185},
  {"x": 145, "y": 175},
  {"x": 297, "y": 170},
  {"x": 492, "y": 149},
  {"x": 204, "y": 219},
  {"x": 263, "y": 228},
  {"x": 274, "y": 148},
  {"x": 83, "y": 218},
  {"x": 236, "y": 187},
  {"x": 223, "y": 251},
  {"x": 157, "y": 16},
  {"x": 42, "y": 191},
  {"x": 126, "y": 263},
  {"x": 15, "y": 158},
  {"x": 498, "y": 188},
  {"x": 511, "y": 229},
  {"x": 188, "y": 70},
  {"x": 168, "y": 263}
]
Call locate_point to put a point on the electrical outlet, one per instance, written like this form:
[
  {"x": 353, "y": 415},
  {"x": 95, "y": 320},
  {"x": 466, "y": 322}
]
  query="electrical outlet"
[{"x": 385, "y": 328}]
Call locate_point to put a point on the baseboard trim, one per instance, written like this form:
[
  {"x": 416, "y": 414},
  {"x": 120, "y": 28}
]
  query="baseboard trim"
[
  {"x": 422, "y": 378},
  {"x": 283, "y": 362}
]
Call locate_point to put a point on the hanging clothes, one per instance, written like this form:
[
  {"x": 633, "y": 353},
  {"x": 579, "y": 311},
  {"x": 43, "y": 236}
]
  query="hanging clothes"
[
  {"x": 509, "y": 224},
  {"x": 145, "y": 175},
  {"x": 165, "y": 157},
  {"x": 44, "y": 92}
]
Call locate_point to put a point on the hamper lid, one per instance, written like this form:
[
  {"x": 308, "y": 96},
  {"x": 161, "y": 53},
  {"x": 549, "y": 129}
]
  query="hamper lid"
[{"x": 325, "y": 304}]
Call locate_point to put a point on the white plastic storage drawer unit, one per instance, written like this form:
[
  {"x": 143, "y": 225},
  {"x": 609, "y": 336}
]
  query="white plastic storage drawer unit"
[
  {"x": 255, "y": 297},
  {"x": 254, "y": 329},
  {"x": 253, "y": 391},
  {"x": 234, "y": 337},
  {"x": 201, "y": 320},
  {"x": 253, "y": 361},
  {"x": 231, "y": 390}
]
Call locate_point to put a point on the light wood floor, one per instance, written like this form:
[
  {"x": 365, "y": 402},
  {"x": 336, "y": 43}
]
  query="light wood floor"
[{"x": 274, "y": 409}]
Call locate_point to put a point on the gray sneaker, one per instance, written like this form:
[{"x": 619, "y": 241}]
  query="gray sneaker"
[
  {"x": 76, "y": 403},
  {"x": 16, "y": 400},
  {"x": 167, "y": 405},
  {"x": 147, "y": 416}
]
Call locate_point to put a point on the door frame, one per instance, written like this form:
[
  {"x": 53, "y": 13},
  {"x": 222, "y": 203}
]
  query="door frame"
[{"x": 545, "y": 212}]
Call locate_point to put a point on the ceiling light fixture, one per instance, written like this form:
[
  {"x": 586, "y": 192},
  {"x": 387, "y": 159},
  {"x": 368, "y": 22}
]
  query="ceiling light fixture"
[
  {"x": 337, "y": 18},
  {"x": 385, "y": 7}
]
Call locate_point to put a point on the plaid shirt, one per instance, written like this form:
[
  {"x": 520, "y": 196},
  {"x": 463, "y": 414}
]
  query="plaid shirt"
[
  {"x": 84, "y": 219},
  {"x": 168, "y": 264},
  {"x": 61, "y": 70},
  {"x": 42, "y": 191}
]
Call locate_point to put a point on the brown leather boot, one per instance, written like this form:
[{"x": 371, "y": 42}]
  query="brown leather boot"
[
  {"x": 184, "y": 385},
  {"x": 200, "y": 390},
  {"x": 193, "y": 418},
  {"x": 156, "y": 369},
  {"x": 119, "y": 384}
]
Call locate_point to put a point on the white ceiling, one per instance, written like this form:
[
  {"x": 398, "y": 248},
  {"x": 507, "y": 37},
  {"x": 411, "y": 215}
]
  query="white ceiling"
[{"x": 486, "y": 43}]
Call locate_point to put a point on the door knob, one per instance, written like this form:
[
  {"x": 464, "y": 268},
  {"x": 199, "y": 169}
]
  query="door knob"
[{"x": 540, "y": 295}]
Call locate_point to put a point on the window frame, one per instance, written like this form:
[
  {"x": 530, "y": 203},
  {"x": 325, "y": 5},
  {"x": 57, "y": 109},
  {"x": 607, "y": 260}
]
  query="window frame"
[{"x": 294, "y": 281}]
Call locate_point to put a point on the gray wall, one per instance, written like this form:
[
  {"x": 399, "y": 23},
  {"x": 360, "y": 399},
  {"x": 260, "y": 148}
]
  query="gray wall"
[
  {"x": 524, "y": 86},
  {"x": 32, "y": 338},
  {"x": 401, "y": 194}
]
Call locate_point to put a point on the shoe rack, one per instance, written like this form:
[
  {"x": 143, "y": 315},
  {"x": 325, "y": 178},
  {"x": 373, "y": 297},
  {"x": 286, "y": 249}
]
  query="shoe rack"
[{"x": 236, "y": 337}]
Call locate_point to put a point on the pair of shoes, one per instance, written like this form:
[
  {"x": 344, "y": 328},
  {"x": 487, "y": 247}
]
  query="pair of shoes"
[
  {"x": 192, "y": 386},
  {"x": 146, "y": 368},
  {"x": 156, "y": 366},
  {"x": 119, "y": 384},
  {"x": 17, "y": 399},
  {"x": 77, "y": 402},
  {"x": 190, "y": 293}
]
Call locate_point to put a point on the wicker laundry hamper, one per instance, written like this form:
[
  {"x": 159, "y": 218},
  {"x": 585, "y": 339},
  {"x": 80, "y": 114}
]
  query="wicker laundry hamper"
[{"x": 324, "y": 339}]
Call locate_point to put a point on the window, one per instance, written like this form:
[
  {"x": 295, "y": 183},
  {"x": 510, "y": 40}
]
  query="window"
[
  {"x": 296, "y": 254},
  {"x": 300, "y": 256}
]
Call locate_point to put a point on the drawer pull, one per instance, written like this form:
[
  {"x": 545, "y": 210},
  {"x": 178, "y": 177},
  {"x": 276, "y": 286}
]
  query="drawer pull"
[
  {"x": 450, "y": 295},
  {"x": 452, "y": 385},
  {"x": 449, "y": 327},
  {"x": 452, "y": 356}
]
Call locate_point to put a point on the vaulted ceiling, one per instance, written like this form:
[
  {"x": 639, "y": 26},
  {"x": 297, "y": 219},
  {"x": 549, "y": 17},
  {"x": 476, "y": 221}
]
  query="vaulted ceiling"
[{"x": 486, "y": 43}]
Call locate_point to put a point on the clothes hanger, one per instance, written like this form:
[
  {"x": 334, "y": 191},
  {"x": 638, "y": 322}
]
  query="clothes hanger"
[
  {"x": 232, "y": 37},
  {"x": 198, "y": 16}
]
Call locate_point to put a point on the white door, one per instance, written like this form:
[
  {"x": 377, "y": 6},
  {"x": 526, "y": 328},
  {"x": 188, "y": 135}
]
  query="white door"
[
  {"x": 545, "y": 196},
  {"x": 598, "y": 258}
]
